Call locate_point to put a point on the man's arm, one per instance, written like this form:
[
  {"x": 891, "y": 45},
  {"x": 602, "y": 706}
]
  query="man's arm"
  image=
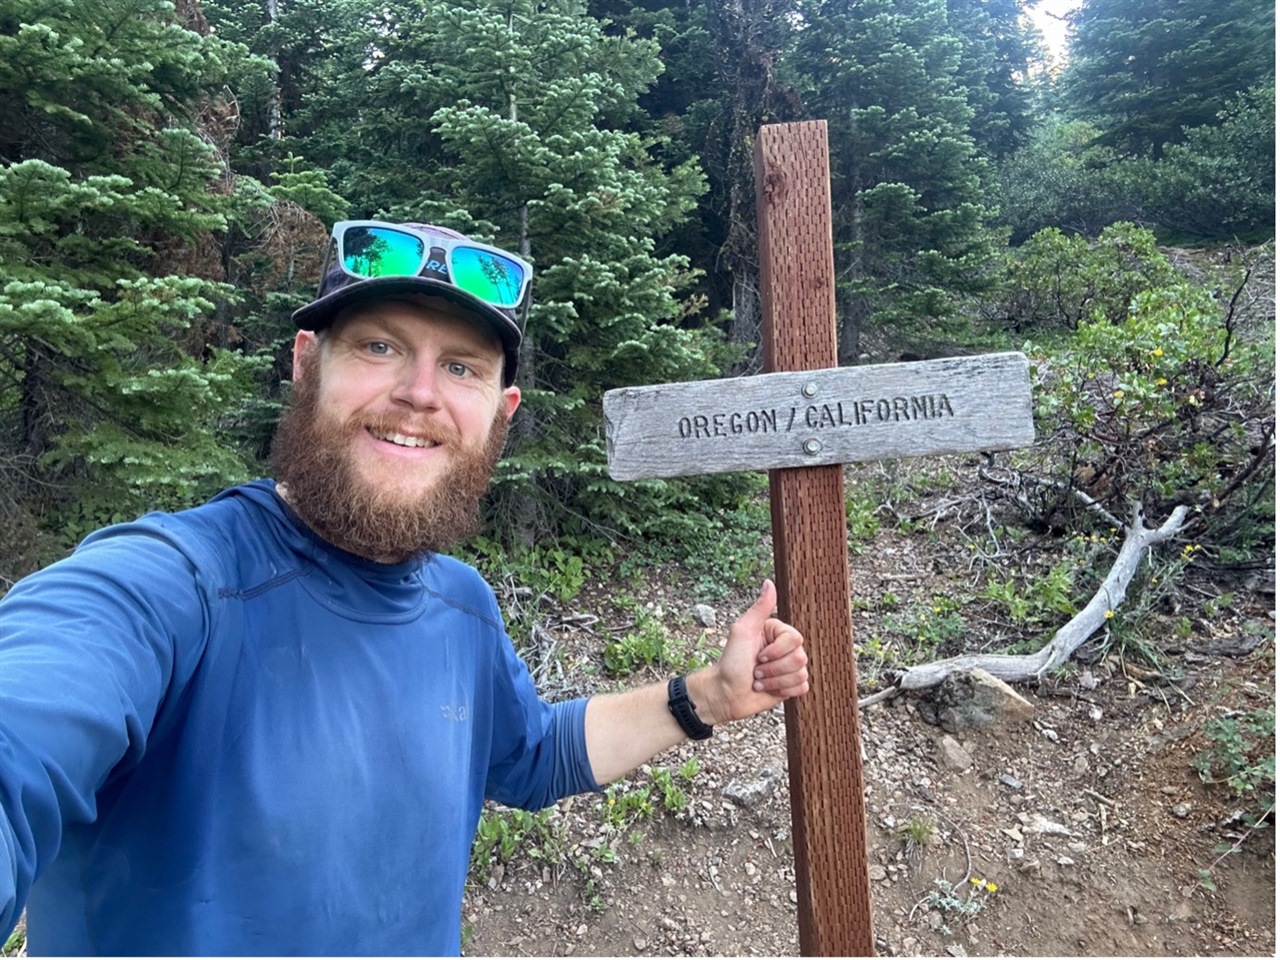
[{"x": 763, "y": 663}]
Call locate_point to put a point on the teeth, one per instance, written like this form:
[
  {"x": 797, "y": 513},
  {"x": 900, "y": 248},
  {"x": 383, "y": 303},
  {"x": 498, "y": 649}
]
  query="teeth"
[{"x": 401, "y": 440}]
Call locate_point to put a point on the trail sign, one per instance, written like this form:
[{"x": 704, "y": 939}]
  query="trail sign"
[
  {"x": 812, "y": 418},
  {"x": 801, "y": 421}
]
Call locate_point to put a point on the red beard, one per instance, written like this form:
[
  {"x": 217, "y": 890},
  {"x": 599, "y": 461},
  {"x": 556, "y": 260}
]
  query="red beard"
[{"x": 312, "y": 459}]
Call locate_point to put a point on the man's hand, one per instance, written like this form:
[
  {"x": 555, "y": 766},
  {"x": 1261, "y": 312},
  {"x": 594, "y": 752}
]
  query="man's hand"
[{"x": 764, "y": 663}]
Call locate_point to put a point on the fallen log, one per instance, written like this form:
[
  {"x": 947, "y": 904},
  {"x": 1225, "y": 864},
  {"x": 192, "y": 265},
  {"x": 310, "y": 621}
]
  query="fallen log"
[{"x": 1108, "y": 598}]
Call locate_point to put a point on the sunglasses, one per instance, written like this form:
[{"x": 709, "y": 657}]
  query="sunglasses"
[{"x": 367, "y": 249}]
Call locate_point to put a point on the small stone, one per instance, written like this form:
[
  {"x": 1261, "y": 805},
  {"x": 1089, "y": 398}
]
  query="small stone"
[
  {"x": 956, "y": 950},
  {"x": 935, "y": 919},
  {"x": 1039, "y": 823},
  {"x": 1181, "y": 810},
  {"x": 876, "y": 872},
  {"x": 705, "y": 615},
  {"x": 1169, "y": 790},
  {"x": 1066, "y": 862},
  {"x": 582, "y": 930},
  {"x": 641, "y": 944},
  {"x": 954, "y": 756},
  {"x": 1078, "y": 848},
  {"x": 752, "y": 792},
  {"x": 1050, "y": 735},
  {"x": 1013, "y": 783},
  {"x": 1081, "y": 766},
  {"x": 1182, "y": 912}
]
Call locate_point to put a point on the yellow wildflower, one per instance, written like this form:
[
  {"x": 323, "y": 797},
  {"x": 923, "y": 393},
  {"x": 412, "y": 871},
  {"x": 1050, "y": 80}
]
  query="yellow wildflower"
[
  {"x": 1110, "y": 614},
  {"x": 1157, "y": 352},
  {"x": 1161, "y": 381},
  {"x": 991, "y": 887}
]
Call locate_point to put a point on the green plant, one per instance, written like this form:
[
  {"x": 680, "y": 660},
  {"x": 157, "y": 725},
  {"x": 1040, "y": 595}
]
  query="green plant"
[
  {"x": 863, "y": 518},
  {"x": 1241, "y": 754},
  {"x": 1162, "y": 394},
  {"x": 645, "y": 644},
  {"x": 926, "y": 629},
  {"x": 674, "y": 799},
  {"x": 501, "y": 833},
  {"x": 622, "y": 807},
  {"x": 1215, "y": 606},
  {"x": 16, "y": 941},
  {"x": 1041, "y": 599},
  {"x": 965, "y": 903},
  {"x": 917, "y": 833}
]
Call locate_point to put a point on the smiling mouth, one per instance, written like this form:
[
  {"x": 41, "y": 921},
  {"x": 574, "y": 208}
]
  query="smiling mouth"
[{"x": 400, "y": 440}]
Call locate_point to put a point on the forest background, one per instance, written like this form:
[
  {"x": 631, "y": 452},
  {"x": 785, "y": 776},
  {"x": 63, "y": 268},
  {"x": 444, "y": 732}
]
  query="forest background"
[{"x": 168, "y": 173}]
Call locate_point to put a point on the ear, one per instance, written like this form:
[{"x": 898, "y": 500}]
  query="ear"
[
  {"x": 304, "y": 341},
  {"x": 511, "y": 397}
]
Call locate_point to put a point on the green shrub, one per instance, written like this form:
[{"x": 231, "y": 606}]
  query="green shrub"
[
  {"x": 1241, "y": 754},
  {"x": 1165, "y": 403}
]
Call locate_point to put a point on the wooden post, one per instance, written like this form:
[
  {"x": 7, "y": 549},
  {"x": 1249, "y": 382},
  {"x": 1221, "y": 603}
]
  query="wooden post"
[
  {"x": 811, "y": 555},
  {"x": 802, "y": 421}
]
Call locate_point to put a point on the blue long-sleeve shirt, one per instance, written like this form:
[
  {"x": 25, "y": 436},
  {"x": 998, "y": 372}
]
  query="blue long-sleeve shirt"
[{"x": 221, "y": 735}]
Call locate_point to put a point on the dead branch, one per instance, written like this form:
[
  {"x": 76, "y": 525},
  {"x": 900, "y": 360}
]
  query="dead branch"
[{"x": 1109, "y": 597}]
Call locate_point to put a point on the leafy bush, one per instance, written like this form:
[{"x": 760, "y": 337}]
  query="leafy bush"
[
  {"x": 1241, "y": 754},
  {"x": 1221, "y": 183},
  {"x": 1063, "y": 179},
  {"x": 1056, "y": 282},
  {"x": 1158, "y": 400}
]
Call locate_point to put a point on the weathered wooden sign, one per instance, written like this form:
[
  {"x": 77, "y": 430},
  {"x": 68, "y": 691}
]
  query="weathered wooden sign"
[
  {"x": 802, "y": 421},
  {"x": 815, "y": 417}
]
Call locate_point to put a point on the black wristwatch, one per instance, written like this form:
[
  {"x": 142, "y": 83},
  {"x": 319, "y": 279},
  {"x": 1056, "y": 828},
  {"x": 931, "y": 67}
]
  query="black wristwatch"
[{"x": 684, "y": 710}]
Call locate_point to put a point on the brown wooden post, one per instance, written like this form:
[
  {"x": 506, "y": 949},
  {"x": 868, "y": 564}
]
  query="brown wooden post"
[{"x": 811, "y": 557}]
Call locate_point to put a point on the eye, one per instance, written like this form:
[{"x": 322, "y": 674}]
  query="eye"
[
  {"x": 378, "y": 348},
  {"x": 458, "y": 369}
]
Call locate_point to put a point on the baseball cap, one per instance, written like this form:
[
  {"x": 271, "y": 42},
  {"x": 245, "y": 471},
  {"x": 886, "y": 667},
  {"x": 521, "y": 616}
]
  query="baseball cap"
[{"x": 371, "y": 260}]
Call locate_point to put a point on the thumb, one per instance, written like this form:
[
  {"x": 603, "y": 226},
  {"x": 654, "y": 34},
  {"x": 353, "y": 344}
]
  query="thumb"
[{"x": 760, "y": 611}]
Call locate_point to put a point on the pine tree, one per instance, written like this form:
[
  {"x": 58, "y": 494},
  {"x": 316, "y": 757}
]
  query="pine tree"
[
  {"x": 112, "y": 385},
  {"x": 997, "y": 52},
  {"x": 1145, "y": 70},
  {"x": 910, "y": 212}
]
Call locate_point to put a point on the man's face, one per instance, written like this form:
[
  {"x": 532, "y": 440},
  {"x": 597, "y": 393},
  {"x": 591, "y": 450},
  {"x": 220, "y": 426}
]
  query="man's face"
[{"x": 398, "y": 418}]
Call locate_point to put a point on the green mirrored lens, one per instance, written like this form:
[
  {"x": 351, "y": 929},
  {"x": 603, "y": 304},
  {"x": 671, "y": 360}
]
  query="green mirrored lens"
[
  {"x": 490, "y": 276},
  {"x": 375, "y": 252}
]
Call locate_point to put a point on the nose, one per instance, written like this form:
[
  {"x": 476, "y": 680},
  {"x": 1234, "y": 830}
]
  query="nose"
[{"x": 417, "y": 387}]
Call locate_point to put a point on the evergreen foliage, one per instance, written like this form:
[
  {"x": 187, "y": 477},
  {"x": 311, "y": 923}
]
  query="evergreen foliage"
[
  {"x": 1146, "y": 70},
  {"x": 111, "y": 387},
  {"x": 911, "y": 216},
  {"x": 166, "y": 184}
]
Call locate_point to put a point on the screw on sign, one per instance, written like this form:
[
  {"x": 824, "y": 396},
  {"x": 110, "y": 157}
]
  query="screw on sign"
[{"x": 802, "y": 420}]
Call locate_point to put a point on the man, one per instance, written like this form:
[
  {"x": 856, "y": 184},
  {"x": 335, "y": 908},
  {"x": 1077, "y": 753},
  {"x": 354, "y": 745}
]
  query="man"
[{"x": 267, "y": 725}]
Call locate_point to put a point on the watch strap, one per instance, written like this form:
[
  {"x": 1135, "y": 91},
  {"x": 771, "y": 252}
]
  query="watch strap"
[{"x": 685, "y": 711}]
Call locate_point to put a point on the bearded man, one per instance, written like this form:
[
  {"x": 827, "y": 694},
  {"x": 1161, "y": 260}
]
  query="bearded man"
[{"x": 267, "y": 725}]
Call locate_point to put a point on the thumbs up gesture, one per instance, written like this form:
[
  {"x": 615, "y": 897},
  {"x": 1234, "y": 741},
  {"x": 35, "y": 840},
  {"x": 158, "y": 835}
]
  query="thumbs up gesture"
[{"x": 764, "y": 663}]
